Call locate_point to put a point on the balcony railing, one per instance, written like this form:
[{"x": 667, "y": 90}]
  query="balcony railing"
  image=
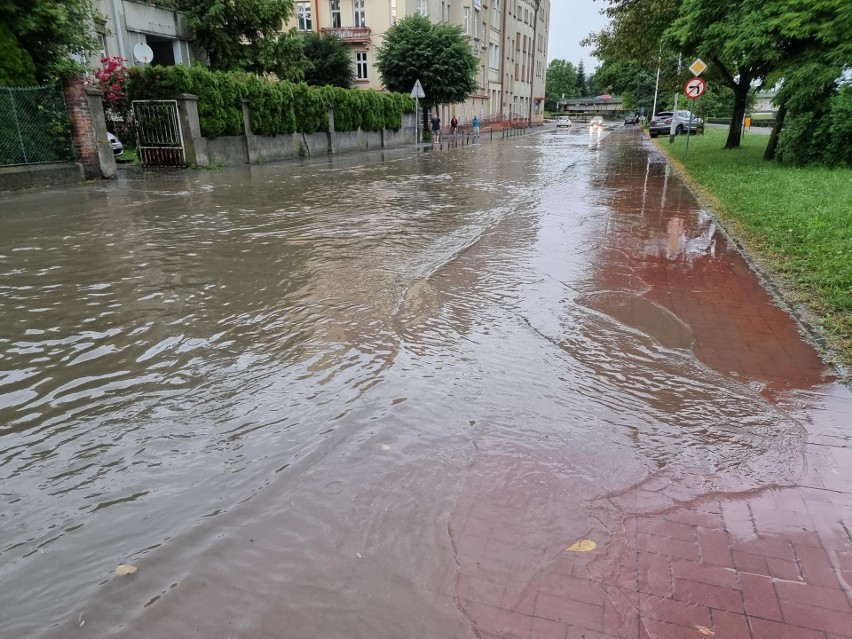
[{"x": 350, "y": 34}]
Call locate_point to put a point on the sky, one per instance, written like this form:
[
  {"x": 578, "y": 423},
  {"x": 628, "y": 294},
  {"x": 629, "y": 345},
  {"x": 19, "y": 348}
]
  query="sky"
[{"x": 570, "y": 22}]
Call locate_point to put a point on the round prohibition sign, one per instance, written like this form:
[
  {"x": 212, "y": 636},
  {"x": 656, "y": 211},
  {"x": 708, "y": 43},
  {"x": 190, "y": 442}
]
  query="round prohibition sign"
[{"x": 695, "y": 88}]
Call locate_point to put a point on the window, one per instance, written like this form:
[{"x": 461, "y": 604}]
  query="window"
[
  {"x": 466, "y": 21},
  {"x": 393, "y": 11},
  {"x": 422, "y": 9},
  {"x": 476, "y": 23},
  {"x": 495, "y": 12},
  {"x": 335, "y": 14},
  {"x": 303, "y": 13},
  {"x": 494, "y": 56},
  {"x": 361, "y": 65},
  {"x": 360, "y": 16}
]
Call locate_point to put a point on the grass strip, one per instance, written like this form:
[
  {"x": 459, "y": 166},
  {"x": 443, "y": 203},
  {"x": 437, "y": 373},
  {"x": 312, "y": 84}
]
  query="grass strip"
[{"x": 796, "y": 222}]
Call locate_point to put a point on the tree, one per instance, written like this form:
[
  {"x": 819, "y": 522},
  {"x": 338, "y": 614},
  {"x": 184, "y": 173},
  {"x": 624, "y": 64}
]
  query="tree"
[
  {"x": 438, "y": 55},
  {"x": 582, "y": 87},
  {"x": 561, "y": 82},
  {"x": 51, "y": 32},
  {"x": 246, "y": 35},
  {"x": 330, "y": 60},
  {"x": 16, "y": 65}
]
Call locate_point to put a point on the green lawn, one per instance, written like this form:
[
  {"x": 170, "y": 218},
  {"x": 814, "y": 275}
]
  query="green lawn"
[{"x": 797, "y": 222}]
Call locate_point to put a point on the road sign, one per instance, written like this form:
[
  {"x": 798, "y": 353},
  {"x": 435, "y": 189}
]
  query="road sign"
[
  {"x": 695, "y": 88},
  {"x": 417, "y": 91},
  {"x": 697, "y": 67}
]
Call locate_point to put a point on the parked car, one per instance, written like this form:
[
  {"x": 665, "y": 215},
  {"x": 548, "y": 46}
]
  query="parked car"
[
  {"x": 563, "y": 120},
  {"x": 631, "y": 118},
  {"x": 661, "y": 123},
  {"x": 597, "y": 122},
  {"x": 115, "y": 143}
]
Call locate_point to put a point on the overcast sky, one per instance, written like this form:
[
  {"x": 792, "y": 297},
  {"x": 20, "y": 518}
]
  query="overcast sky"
[{"x": 570, "y": 22}]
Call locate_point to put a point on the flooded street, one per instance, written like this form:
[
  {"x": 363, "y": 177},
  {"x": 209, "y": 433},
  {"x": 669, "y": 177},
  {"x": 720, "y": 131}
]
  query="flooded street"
[{"x": 379, "y": 395}]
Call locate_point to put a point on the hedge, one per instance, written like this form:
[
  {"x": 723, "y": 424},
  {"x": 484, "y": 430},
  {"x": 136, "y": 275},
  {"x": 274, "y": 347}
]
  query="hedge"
[{"x": 276, "y": 107}]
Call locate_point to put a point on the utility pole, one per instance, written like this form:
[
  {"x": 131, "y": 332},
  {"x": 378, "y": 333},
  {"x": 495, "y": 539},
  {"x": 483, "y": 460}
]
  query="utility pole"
[
  {"x": 657, "y": 86},
  {"x": 673, "y": 129}
]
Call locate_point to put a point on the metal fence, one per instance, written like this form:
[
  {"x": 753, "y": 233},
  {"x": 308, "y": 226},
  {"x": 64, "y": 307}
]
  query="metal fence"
[
  {"x": 34, "y": 126},
  {"x": 158, "y": 133}
]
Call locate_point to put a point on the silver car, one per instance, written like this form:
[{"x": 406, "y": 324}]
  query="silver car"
[
  {"x": 563, "y": 120},
  {"x": 115, "y": 143}
]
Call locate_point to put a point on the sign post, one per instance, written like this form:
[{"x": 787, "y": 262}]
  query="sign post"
[
  {"x": 693, "y": 90},
  {"x": 417, "y": 93}
]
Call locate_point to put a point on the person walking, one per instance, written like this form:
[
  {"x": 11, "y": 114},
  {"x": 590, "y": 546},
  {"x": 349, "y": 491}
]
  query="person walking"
[
  {"x": 475, "y": 123},
  {"x": 454, "y": 125},
  {"x": 436, "y": 128}
]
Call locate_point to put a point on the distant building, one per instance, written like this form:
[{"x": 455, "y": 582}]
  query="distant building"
[
  {"x": 509, "y": 37},
  {"x": 156, "y": 24}
]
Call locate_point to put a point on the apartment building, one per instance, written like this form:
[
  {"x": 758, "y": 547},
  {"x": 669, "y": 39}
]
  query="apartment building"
[
  {"x": 128, "y": 23},
  {"x": 508, "y": 37}
]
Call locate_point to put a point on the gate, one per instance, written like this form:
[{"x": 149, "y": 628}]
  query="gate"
[
  {"x": 34, "y": 126},
  {"x": 159, "y": 138}
]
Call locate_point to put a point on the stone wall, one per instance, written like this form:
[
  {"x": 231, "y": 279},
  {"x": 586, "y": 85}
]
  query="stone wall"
[{"x": 82, "y": 131}]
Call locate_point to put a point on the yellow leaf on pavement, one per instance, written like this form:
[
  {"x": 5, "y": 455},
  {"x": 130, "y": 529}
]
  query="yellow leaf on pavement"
[
  {"x": 584, "y": 545},
  {"x": 704, "y": 630},
  {"x": 125, "y": 569}
]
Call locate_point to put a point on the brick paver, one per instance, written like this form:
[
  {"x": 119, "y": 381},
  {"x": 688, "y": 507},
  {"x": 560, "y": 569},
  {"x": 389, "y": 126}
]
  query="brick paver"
[{"x": 772, "y": 562}]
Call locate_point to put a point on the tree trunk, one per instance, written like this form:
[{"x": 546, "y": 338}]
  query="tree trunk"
[
  {"x": 425, "y": 123},
  {"x": 740, "y": 99},
  {"x": 769, "y": 154}
]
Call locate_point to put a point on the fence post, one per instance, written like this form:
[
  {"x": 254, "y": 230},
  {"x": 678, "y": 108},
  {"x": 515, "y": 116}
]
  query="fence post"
[
  {"x": 194, "y": 145},
  {"x": 251, "y": 141},
  {"x": 332, "y": 134},
  {"x": 106, "y": 158},
  {"x": 82, "y": 130}
]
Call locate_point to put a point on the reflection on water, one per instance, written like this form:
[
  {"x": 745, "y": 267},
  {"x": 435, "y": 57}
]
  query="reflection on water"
[{"x": 281, "y": 390}]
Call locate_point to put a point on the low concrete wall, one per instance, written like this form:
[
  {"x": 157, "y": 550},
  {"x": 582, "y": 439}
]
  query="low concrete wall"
[
  {"x": 238, "y": 149},
  {"x": 29, "y": 176},
  {"x": 227, "y": 150}
]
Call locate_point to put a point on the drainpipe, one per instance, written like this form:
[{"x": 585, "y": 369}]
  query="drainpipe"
[
  {"x": 535, "y": 45},
  {"x": 505, "y": 49},
  {"x": 119, "y": 32}
]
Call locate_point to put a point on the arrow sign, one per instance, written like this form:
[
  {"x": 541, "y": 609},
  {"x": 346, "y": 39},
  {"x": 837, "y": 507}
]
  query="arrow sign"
[
  {"x": 695, "y": 88},
  {"x": 417, "y": 91}
]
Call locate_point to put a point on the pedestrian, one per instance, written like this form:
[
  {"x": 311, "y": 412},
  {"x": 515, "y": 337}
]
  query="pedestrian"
[
  {"x": 436, "y": 128},
  {"x": 475, "y": 123},
  {"x": 454, "y": 124}
]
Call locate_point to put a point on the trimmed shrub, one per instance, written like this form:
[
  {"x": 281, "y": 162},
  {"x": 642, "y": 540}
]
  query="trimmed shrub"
[{"x": 276, "y": 107}]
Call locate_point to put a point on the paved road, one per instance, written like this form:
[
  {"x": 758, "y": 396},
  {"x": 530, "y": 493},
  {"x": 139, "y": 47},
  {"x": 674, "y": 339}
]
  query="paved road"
[{"x": 380, "y": 396}]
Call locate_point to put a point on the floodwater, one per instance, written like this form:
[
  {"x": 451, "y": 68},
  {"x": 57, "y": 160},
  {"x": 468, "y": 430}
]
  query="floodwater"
[{"x": 353, "y": 397}]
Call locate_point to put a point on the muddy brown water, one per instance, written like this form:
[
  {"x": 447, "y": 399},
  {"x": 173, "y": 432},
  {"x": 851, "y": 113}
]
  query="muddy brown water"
[{"x": 289, "y": 393}]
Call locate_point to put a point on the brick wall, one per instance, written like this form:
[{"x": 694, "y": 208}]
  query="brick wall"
[{"x": 82, "y": 129}]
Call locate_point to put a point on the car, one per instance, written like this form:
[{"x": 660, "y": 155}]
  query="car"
[
  {"x": 115, "y": 143},
  {"x": 631, "y": 118},
  {"x": 597, "y": 122},
  {"x": 563, "y": 120},
  {"x": 661, "y": 123}
]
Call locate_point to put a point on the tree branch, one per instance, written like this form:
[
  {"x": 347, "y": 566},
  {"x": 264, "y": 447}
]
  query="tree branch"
[{"x": 726, "y": 75}]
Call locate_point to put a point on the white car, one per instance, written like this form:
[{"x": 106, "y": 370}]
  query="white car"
[
  {"x": 597, "y": 122},
  {"x": 563, "y": 120},
  {"x": 115, "y": 143}
]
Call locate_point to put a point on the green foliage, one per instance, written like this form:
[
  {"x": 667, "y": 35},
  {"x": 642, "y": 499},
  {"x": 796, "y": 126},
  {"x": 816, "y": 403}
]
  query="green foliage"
[
  {"x": 822, "y": 135},
  {"x": 16, "y": 65},
  {"x": 276, "y": 107},
  {"x": 51, "y": 31},
  {"x": 245, "y": 35},
  {"x": 330, "y": 61},
  {"x": 561, "y": 82},
  {"x": 438, "y": 55},
  {"x": 580, "y": 84}
]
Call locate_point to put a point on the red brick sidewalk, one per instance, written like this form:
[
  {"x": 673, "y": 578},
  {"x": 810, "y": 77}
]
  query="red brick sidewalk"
[{"x": 768, "y": 563}]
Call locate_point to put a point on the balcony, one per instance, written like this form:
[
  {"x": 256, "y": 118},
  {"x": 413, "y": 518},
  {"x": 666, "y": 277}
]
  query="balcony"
[{"x": 353, "y": 35}]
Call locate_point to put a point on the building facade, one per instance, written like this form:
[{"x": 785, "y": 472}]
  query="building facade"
[
  {"x": 508, "y": 37},
  {"x": 129, "y": 23}
]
